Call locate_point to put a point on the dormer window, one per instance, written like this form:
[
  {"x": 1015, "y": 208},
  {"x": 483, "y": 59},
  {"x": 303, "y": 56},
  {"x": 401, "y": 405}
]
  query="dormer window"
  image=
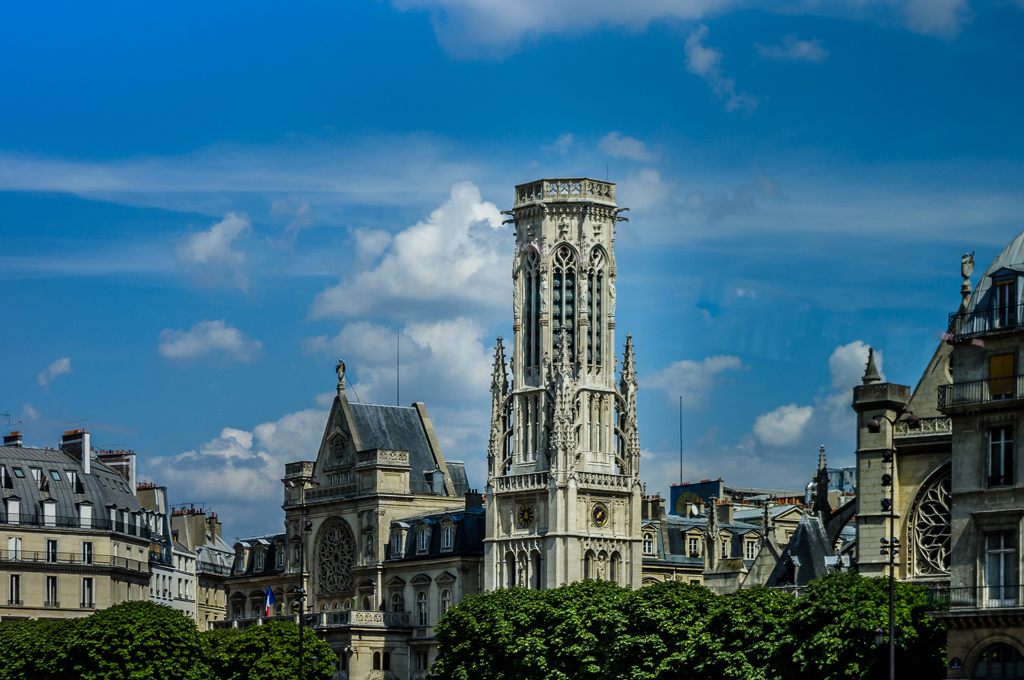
[
  {"x": 397, "y": 538},
  {"x": 240, "y": 560},
  {"x": 447, "y": 536},
  {"x": 5, "y": 478},
  {"x": 260, "y": 559},
  {"x": 1004, "y": 302},
  {"x": 648, "y": 544},
  {"x": 19, "y": 473},
  {"x": 424, "y": 536}
]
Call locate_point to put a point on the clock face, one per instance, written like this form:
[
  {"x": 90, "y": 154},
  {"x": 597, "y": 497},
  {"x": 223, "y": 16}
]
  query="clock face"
[
  {"x": 599, "y": 514},
  {"x": 525, "y": 515}
]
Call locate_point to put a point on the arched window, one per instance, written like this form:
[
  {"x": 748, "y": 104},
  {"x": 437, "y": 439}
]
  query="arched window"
[
  {"x": 510, "y": 569},
  {"x": 648, "y": 544},
  {"x": 347, "y": 604},
  {"x": 538, "y": 575},
  {"x": 531, "y": 310},
  {"x": 447, "y": 532},
  {"x": 588, "y": 565},
  {"x": 424, "y": 534},
  {"x": 397, "y": 602},
  {"x": 421, "y": 608},
  {"x": 931, "y": 526},
  {"x": 367, "y": 603},
  {"x": 376, "y": 661},
  {"x": 386, "y": 665},
  {"x": 614, "y": 567},
  {"x": 592, "y": 305},
  {"x": 999, "y": 661},
  {"x": 335, "y": 556},
  {"x": 563, "y": 298},
  {"x": 446, "y": 601}
]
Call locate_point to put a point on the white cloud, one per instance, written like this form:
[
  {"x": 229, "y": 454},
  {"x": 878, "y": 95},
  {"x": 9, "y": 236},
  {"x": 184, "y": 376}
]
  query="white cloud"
[
  {"x": 488, "y": 28},
  {"x": 692, "y": 380},
  {"x": 617, "y": 146},
  {"x": 744, "y": 199},
  {"x": 644, "y": 190},
  {"x": 59, "y": 367},
  {"x": 794, "y": 49},
  {"x": 784, "y": 426},
  {"x": 205, "y": 338},
  {"x": 562, "y": 144},
  {"x": 446, "y": 357},
  {"x": 457, "y": 257},
  {"x": 370, "y": 243},
  {"x": 240, "y": 469},
  {"x": 706, "y": 62},
  {"x": 848, "y": 362},
  {"x": 28, "y": 412},
  {"x": 209, "y": 256}
]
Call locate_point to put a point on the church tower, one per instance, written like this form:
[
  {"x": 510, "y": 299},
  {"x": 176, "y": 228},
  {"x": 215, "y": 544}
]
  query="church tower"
[{"x": 563, "y": 482}]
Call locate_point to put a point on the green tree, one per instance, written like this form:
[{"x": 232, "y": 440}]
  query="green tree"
[
  {"x": 269, "y": 652},
  {"x": 746, "y": 636},
  {"x": 834, "y": 626},
  {"x": 35, "y": 649},
  {"x": 135, "y": 640}
]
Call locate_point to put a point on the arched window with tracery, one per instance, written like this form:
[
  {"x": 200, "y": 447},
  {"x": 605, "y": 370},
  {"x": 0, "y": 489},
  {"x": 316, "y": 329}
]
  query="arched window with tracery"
[
  {"x": 334, "y": 557},
  {"x": 930, "y": 526},
  {"x": 397, "y": 602},
  {"x": 593, "y": 306},
  {"x": 564, "y": 302}
]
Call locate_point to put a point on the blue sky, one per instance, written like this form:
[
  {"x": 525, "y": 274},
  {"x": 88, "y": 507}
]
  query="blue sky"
[{"x": 202, "y": 208}]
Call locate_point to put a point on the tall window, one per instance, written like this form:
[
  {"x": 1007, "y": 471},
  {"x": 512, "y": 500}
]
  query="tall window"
[
  {"x": 531, "y": 310},
  {"x": 538, "y": 573},
  {"x": 751, "y": 549},
  {"x": 694, "y": 546},
  {"x": 87, "y": 552},
  {"x": 396, "y": 543},
  {"x": 14, "y": 589},
  {"x": 397, "y": 602},
  {"x": 510, "y": 569},
  {"x": 1001, "y": 569},
  {"x": 85, "y": 516},
  {"x": 51, "y": 550},
  {"x": 446, "y": 601},
  {"x": 280, "y": 557},
  {"x": 588, "y": 565},
  {"x": 563, "y": 299},
  {"x": 446, "y": 536},
  {"x": 14, "y": 548},
  {"x": 1000, "y": 376},
  {"x": 725, "y": 547},
  {"x": 614, "y": 567},
  {"x": 424, "y": 534},
  {"x": 386, "y": 662},
  {"x": 1005, "y": 303},
  {"x": 13, "y": 511},
  {"x": 376, "y": 661},
  {"x": 421, "y": 608},
  {"x": 1000, "y": 457},
  {"x": 260, "y": 558},
  {"x": 593, "y": 304},
  {"x": 88, "y": 598},
  {"x": 51, "y": 592},
  {"x": 648, "y": 544}
]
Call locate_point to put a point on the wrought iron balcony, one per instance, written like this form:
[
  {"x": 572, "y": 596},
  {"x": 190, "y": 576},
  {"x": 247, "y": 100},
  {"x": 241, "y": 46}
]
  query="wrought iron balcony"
[
  {"x": 72, "y": 558},
  {"x": 981, "y": 392},
  {"x": 979, "y": 322},
  {"x": 976, "y": 597}
]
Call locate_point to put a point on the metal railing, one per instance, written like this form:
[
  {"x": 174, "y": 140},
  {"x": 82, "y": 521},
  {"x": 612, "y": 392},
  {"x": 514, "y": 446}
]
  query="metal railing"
[
  {"x": 73, "y": 558},
  {"x": 51, "y": 603},
  {"x": 985, "y": 321},
  {"x": 976, "y": 597},
  {"x": 14, "y": 603},
  {"x": 30, "y": 519},
  {"x": 981, "y": 391},
  {"x": 87, "y": 604}
]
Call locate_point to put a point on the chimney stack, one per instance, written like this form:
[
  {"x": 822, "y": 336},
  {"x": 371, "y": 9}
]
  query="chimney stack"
[
  {"x": 76, "y": 443},
  {"x": 13, "y": 439}
]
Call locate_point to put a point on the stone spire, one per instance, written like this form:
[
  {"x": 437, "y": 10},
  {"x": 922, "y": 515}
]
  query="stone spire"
[
  {"x": 871, "y": 373},
  {"x": 821, "y": 458},
  {"x": 627, "y": 418},
  {"x": 499, "y": 412},
  {"x": 499, "y": 377}
]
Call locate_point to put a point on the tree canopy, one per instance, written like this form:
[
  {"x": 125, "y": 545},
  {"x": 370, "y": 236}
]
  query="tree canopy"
[{"x": 598, "y": 631}]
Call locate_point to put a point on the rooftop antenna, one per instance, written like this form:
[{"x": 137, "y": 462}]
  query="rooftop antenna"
[
  {"x": 72, "y": 422},
  {"x": 8, "y": 416}
]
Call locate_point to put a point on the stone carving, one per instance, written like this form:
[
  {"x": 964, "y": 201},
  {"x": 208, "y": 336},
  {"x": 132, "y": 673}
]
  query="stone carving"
[
  {"x": 932, "y": 528},
  {"x": 334, "y": 558},
  {"x": 967, "y": 265},
  {"x": 543, "y": 293},
  {"x": 340, "y": 368}
]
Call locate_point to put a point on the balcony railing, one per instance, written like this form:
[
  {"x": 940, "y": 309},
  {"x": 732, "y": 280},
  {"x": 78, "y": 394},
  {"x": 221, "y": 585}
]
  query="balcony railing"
[
  {"x": 51, "y": 603},
  {"x": 73, "y": 558},
  {"x": 979, "y": 597},
  {"x": 12, "y": 602},
  {"x": 981, "y": 392},
  {"x": 29, "y": 519},
  {"x": 88, "y": 604},
  {"x": 526, "y": 482},
  {"x": 985, "y": 322}
]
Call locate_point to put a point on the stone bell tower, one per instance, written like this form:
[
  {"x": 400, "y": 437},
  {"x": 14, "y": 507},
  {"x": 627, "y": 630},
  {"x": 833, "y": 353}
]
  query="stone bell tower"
[{"x": 563, "y": 461}]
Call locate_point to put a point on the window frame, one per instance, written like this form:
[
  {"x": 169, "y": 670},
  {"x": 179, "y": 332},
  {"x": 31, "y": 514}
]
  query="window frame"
[
  {"x": 1004, "y": 464},
  {"x": 422, "y": 608},
  {"x": 648, "y": 543}
]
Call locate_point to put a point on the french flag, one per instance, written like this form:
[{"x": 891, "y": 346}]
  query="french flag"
[{"x": 270, "y": 601}]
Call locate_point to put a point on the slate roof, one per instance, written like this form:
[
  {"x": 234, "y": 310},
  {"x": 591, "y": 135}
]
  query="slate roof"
[
  {"x": 1011, "y": 257},
  {"x": 457, "y": 471},
  {"x": 102, "y": 487},
  {"x": 468, "y": 538},
  {"x": 397, "y": 428},
  {"x": 805, "y": 557}
]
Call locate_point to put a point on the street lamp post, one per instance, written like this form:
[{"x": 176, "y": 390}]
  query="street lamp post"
[
  {"x": 305, "y": 526},
  {"x": 891, "y": 547}
]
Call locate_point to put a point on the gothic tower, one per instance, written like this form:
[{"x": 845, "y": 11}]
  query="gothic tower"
[{"x": 563, "y": 482}]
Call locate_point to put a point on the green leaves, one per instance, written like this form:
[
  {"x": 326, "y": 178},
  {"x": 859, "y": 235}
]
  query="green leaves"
[
  {"x": 597, "y": 631},
  {"x": 143, "y": 640}
]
